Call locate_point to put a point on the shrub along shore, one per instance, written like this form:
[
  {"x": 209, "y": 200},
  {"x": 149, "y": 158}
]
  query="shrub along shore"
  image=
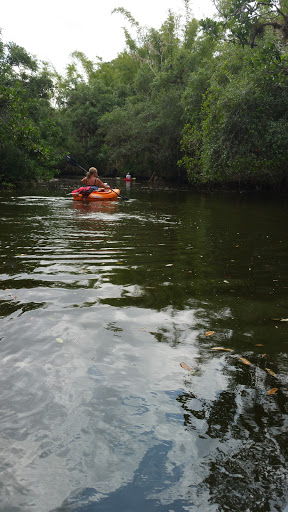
[{"x": 198, "y": 101}]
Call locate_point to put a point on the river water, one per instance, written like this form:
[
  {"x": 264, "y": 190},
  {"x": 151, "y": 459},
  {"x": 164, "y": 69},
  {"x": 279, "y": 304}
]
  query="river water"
[{"x": 100, "y": 303}]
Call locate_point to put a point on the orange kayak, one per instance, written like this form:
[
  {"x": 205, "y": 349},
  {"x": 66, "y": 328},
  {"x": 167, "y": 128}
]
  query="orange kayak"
[{"x": 98, "y": 195}]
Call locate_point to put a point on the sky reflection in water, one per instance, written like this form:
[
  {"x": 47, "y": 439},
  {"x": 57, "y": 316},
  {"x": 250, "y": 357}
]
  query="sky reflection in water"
[{"x": 108, "y": 420}]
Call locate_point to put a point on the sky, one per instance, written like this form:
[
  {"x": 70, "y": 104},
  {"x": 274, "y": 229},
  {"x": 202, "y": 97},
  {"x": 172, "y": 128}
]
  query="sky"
[{"x": 52, "y": 30}]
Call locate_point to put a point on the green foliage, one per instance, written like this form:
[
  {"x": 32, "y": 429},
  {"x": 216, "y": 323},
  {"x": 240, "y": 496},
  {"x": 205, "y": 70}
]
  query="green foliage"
[
  {"x": 18, "y": 57},
  {"x": 128, "y": 113},
  {"x": 244, "y": 131},
  {"x": 245, "y": 22},
  {"x": 238, "y": 115},
  {"x": 191, "y": 147},
  {"x": 208, "y": 97},
  {"x": 145, "y": 134},
  {"x": 27, "y": 128}
]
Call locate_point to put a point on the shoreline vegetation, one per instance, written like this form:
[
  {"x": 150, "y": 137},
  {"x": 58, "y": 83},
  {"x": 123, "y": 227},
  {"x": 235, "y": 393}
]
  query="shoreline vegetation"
[
  {"x": 198, "y": 102},
  {"x": 245, "y": 189}
]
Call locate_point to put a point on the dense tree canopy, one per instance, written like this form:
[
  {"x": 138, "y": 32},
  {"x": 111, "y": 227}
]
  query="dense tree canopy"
[
  {"x": 204, "y": 100},
  {"x": 28, "y": 130}
]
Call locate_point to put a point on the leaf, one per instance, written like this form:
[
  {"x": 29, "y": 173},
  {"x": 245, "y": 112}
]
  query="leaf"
[
  {"x": 264, "y": 355},
  {"x": 225, "y": 281},
  {"x": 272, "y": 391},
  {"x": 222, "y": 348},
  {"x": 169, "y": 265},
  {"x": 245, "y": 361},
  {"x": 259, "y": 345},
  {"x": 59, "y": 340},
  {"x": 185, "y": 366},
  {"x": 284, "y": 320},
  {"x": 209, "y": 333},
  {"x": 196, "y": 372},
  {"x": 270, "y": 372}
]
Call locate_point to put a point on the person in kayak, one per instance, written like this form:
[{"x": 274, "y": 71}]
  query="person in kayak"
[{"x": 92, "y": 180}]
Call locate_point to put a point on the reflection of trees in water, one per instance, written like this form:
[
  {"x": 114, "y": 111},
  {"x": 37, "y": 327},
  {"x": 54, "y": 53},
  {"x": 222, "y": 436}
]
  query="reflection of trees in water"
[
  {"x": 90, "y": 207},
  {"x": 248, "y": 450}
]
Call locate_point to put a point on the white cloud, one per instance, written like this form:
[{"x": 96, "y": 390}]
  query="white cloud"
[{"x": 53, "y": 30}]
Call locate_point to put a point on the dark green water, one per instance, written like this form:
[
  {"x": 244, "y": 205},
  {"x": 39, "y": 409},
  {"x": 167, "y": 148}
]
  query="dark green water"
[{"x": 100, "y": 303}]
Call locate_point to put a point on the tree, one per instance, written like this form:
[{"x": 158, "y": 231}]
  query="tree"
[
  {"x": 244, "y": 22},
  {"x": 245, "y": 129},
  {"x": 27, "y": 129},
  {"x": 145, "y": 131},
  {"x": 236, "y": 102}
]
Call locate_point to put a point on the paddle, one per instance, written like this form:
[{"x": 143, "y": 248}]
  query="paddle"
[{"x": 71, "y": 161}]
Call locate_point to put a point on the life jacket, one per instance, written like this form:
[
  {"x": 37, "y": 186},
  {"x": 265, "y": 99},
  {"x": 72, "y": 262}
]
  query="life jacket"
[{"x": 84, "y": 191}]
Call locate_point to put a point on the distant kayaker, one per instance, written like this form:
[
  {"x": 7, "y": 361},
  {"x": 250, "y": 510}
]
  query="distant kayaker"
[
  {"x": 92, "y": 180},
  {"x": 128, "y": 176}
]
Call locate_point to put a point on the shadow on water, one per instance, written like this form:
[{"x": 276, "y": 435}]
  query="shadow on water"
[
  {"x": 150, "y": 479},
  {"x": 100, "y": 303}
]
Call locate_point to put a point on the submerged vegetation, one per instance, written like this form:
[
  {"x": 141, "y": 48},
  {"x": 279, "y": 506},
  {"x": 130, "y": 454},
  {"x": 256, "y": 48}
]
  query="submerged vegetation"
[{"x": 204, "y": 100}]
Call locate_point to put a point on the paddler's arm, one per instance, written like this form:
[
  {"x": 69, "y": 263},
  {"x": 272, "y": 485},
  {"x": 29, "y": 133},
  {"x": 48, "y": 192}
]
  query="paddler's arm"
[{"x": 101, "y": 184}]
